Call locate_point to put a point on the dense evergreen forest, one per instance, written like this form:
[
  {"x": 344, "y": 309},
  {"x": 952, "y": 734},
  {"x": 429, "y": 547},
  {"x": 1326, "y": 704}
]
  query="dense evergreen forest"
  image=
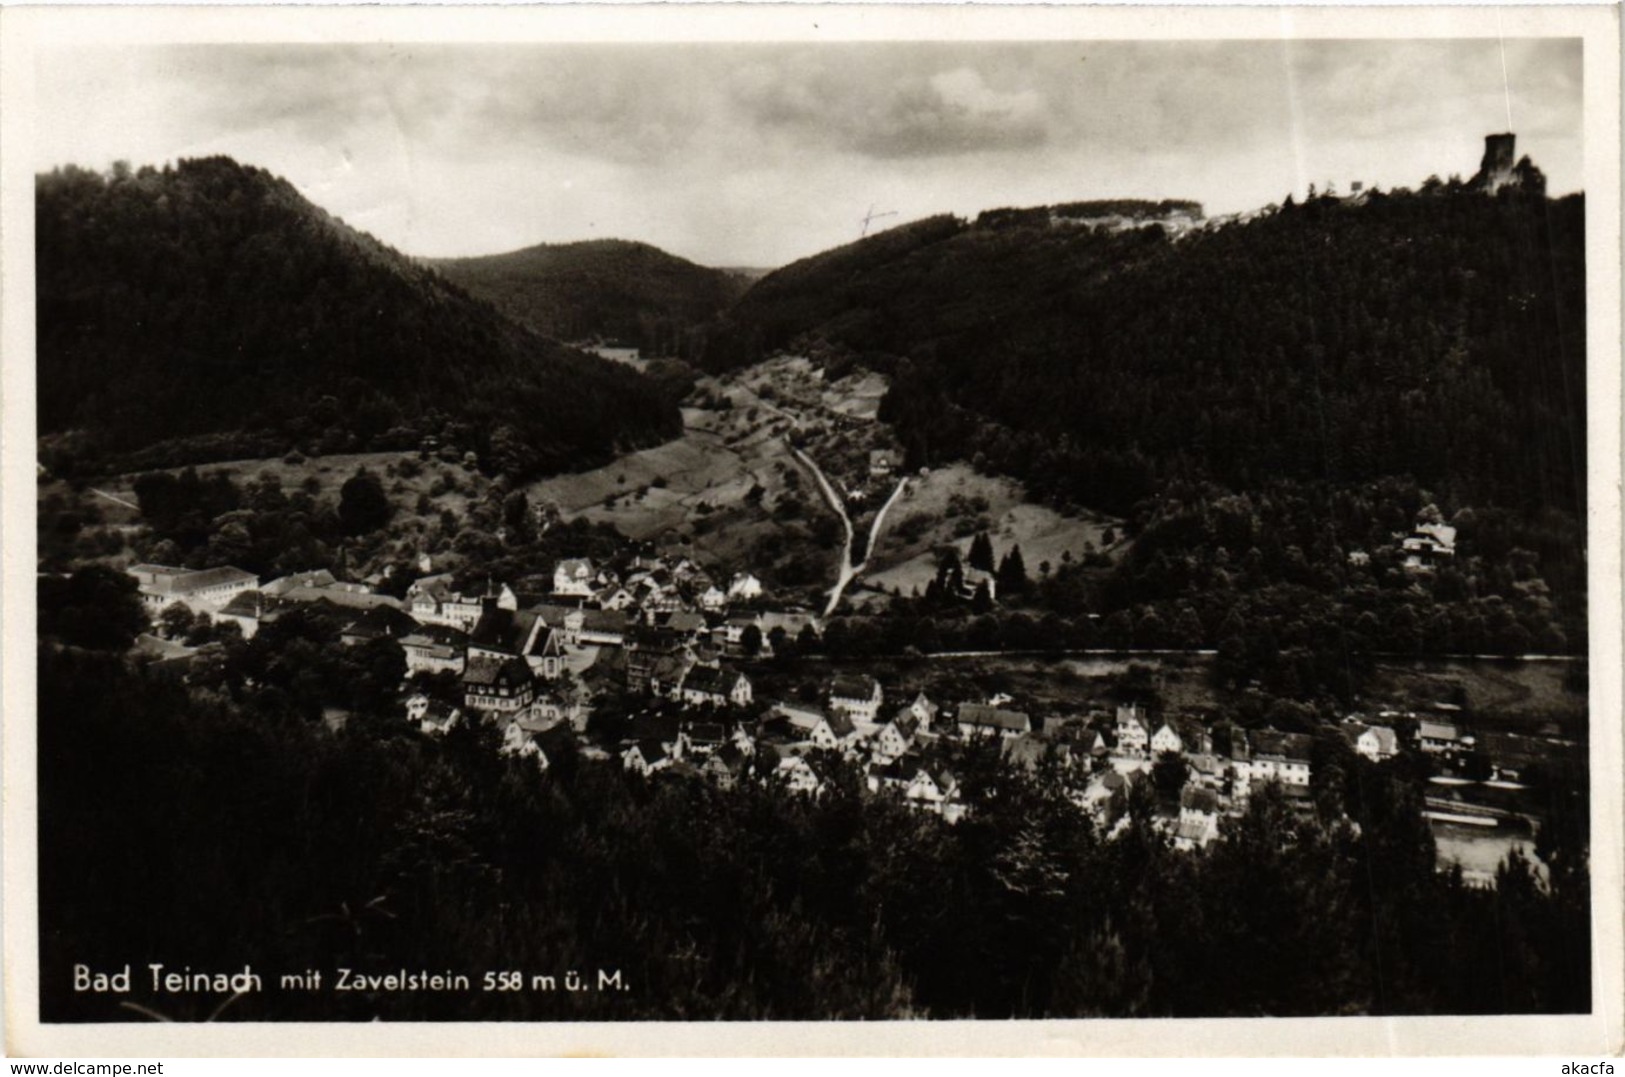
[
  {"x": 1437, "y": 334},
  {"x": 613, "y": 289},
  {"x": 263, "y": 838},
  {"x": 207, "y": 311}
]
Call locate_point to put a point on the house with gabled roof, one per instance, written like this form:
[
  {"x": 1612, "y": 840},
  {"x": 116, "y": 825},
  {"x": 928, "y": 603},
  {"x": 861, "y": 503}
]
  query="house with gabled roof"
[
  {"x": 1133, "y": 732},
  {"x": 801, "y": 775},
  {"x": 924, "y": 711},
  {"x": 1030, "y": 750},
  {"x": 719, "y": 687},
  {"x": 1281, "y": 757},
  {"x": 1198, "y": 821},
  {"x": 896, "y": 737},
  {"x": 726, "y": 766},
  {"x": 646, "y": 757},
  {"x": 1374, "y": 742},
  {"x": 744, "y": 587},
  {"x": 978, "y": 719},
  {"x": 616, "y": 597},
  {"x": 432, "y": 600},
  {"x": 434, "y": 648},
  {"x": 834, "y": 731},
  {"x": 381, "y": 622},
  {"x": 667, "y": 676},
  {"x": 574, "y": 577},
  {"x": 249, "y": 610},
  {"x": 936, "y": 790},
  {"x": 891, "y": 776},
  {"x": 545, "y": 746},
  {"x": 1207, "y": 769},
  {"x": 701, "y": 738},
  {"x": 1166, "y": 739},
  {"x": 430, "y": 717},
  {"x": 1437, "y": 737},
  {"x": 497, "y": 685},
  {"x": 544, "y": 654},
  {"x": 554, "y": 705},
  {"x": 858, "y": 696},
  {"x": 603, "y": 628}
]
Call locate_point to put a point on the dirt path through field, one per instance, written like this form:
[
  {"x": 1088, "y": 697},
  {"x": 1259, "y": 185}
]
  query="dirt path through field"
[{"x": 849, "y": 571}]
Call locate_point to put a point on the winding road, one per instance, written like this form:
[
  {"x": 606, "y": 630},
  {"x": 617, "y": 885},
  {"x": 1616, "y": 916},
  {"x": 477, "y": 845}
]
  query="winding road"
[{"x": 849, "y": 571}]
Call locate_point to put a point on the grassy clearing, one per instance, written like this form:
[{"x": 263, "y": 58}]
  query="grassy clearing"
[
  {"x": 932, "y": 513},
  {"x": 694, "y": 494},
  {"x": 1521, "y": 696},
  {"x": 326, "y": 474},
  {"x": 1480, "y": 851}
]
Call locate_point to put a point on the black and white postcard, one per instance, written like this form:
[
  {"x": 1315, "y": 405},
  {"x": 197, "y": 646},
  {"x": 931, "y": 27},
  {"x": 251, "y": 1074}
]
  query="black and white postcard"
[{"x": 970, "y": 528}]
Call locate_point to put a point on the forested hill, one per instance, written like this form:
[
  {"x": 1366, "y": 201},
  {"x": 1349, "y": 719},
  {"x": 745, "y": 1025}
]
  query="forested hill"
[
  {"x": 1438, "y": 334},
  {"x": 607, "y": 288},
  {"x": 209, "y": 311}
]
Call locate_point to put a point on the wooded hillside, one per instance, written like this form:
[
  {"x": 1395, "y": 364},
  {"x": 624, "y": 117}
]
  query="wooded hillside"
[
  {"x": 609, "y": 288},
  {"x": 1439, "y": 335},
  {"x": 208, "y": 311}
]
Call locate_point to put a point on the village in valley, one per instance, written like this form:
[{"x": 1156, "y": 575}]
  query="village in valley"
[
  {"x": 918, "y": 629},
  {"x": 658, "y": 666}
]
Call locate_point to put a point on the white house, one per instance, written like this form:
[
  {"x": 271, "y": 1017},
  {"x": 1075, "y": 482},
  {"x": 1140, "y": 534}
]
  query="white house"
[
  {"x": 1198, "y": 822},
  {"x": 975, "y": 719},
  {"x": 895, "y": 738},
  {"x": 834, "y": 730},
  {"x": 924, "y": 711},
  {"x": 429, "y": 717},
  {"x": 431, "y": 601},
  {"x": 498, "y": 685},
  {"x": 1435, "y": 737},
  {"x": 725, "y": 767},
  {"x": 574, "y": 578},
  {"x": 1166, "y": 739},
  {"x": 713, "y": 599},
  {"x": 1132, "y": 735},
  {"x": 800, "y": 775},
  {"x": 646, "y": 757},
  {"x": 1281, "y": 757},
  {"x": 717, "y": 687},
  {"x": 545, "y": 653},
  {"x": 744, "y": 587},
  {"x": 434, "y": 648},
  {"x": 858, "y": 697},
  {"x": 937, "y": 793},
  {"x": 1376, "y": 743}
]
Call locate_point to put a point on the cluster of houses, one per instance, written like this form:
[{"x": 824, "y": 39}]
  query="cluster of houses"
[
  {"x": 672, "y": 640},
  {"x": 661, "y": 627}
]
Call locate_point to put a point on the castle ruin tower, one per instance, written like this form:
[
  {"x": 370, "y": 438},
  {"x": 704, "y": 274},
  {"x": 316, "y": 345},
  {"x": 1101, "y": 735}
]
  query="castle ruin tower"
[
  {"x": 1498, "y": 170},
  {"x": 1500, "y": 151}
]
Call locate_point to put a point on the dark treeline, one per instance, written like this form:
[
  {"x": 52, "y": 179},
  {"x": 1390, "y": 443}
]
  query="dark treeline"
[
  {"x": 221, "y": 825},
  {"x": 1439, "y": 335},
  {"x": 207, "y": 311},
  {"x": 613, "y": 289}
]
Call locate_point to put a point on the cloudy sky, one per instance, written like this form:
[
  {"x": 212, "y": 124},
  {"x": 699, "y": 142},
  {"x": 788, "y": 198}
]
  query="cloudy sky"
[{"x": 754, "y": 155}]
